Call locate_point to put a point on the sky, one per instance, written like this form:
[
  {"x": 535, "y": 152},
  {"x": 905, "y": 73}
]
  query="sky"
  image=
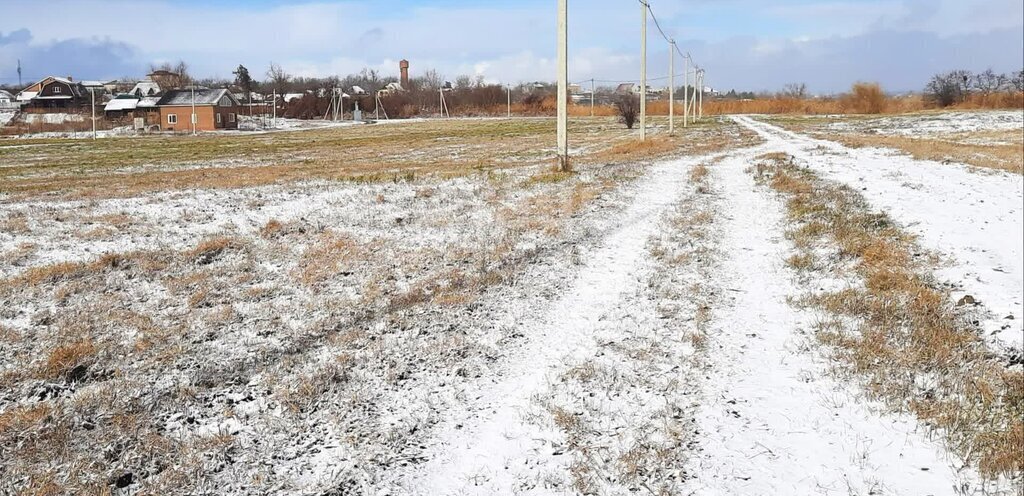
[{"x": 751, "y": 45}]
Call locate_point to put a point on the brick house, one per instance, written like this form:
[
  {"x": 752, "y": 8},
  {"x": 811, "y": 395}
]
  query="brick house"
[{"x": 214, "y": 109}]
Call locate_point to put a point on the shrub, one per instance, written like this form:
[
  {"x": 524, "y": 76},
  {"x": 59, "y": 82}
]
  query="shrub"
[
  {"x": 628, "y": 106},
  {"x": 865, "y": 98}
]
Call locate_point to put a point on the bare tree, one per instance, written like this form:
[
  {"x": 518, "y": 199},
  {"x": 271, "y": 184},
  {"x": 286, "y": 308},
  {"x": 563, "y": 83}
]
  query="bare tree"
[
  {"x": 171, "y": 75},
  {"x": 1017, "y": 80},
  {"x": 950, "y": 88},
  {"x": 989, "y": 82},
  {"x": 463, "y": 82},
  {"x": 795, "y": 90},
  {"x": 279, "y": 79},
  {"x": 431, "y": 80}
]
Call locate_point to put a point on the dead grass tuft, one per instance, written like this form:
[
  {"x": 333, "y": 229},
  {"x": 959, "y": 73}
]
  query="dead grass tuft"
[{"x": 69, "y": 362}]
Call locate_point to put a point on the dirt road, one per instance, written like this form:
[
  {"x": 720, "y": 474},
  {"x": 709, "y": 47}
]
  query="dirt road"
[{"x": 754, "y": 409}]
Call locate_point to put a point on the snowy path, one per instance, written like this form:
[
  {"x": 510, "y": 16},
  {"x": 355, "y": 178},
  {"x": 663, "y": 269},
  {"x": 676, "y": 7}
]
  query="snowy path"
[
  {"x": 773, "y": 421},
  {"x": 500, "y": 451},
  {"x": 974, "y": 217}
]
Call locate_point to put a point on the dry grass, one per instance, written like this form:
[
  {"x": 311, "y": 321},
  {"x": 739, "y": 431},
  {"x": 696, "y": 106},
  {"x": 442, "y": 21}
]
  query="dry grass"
[
  {"x": 1008, "y": 157},
  {"x": 637, "y": 149},
  {"x": 910, "y": 345},
  {"x": 328, "y": 258},
  {"x": 406, "y": 152}
]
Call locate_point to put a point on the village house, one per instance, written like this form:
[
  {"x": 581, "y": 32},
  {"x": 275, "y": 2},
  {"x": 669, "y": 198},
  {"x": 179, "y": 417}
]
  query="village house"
[
  {"x": 55, "y": 93},
  {"x": 8, "y": 101},
  {"x": 214, "y": 109}
]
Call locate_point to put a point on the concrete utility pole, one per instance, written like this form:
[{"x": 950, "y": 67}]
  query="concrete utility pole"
[
  {"x": 193, "y": 110},
  {"x": 563, "y": 86},
  {"x": 593, "y": 91},
  {"x": 643, "y": 72},
  {"x": 508, "y": 93},
  {"x": 701, "y": 86},
  {"x": 686, "y": 90},
  {"x": 92, "y": 91},
  {"x": 672, "y": 87},
  {"x": 273, "y": 122}
]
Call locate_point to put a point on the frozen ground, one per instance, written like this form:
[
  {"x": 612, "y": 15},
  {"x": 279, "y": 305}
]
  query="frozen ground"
[
  {"x": 933, "y": 124},
  {"x": 624, "y": 330}
]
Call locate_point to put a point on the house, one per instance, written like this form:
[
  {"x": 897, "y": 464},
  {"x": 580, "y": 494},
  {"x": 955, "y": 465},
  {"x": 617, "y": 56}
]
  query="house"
[
  {"x": 214, "y": 109},
  {"x": 8, "y": 101},
  {"x": 55, "y": 93}
]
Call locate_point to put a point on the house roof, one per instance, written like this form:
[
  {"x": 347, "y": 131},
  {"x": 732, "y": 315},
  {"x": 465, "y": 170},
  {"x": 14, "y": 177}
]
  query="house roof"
[
  {"x": 148, "y": 102},
  {"x": 121, "y": 103},
  {"x": 6, "y": 94},
  {"x": 202, "y": 97},
  {"x": 146, "y": 88}
]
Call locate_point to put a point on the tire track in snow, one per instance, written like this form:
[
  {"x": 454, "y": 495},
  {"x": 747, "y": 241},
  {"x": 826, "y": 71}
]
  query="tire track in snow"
[
  {"x": 773, "y": 420},
  {"x": 977, "y": 218},
  {"x": 502, "y": 451}
]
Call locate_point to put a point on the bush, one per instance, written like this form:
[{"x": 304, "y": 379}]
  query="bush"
[
  {"x": 865, "y": 98},
  {"x": 628, "y": 106}
]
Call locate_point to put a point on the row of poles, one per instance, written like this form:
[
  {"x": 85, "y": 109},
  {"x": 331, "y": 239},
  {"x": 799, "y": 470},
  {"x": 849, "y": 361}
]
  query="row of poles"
[{"x": 693, "y": 105}]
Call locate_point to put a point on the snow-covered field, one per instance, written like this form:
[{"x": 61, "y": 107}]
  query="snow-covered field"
[
  {"x": 628, "y": 329},
  {"x": 935, "y": 124}
]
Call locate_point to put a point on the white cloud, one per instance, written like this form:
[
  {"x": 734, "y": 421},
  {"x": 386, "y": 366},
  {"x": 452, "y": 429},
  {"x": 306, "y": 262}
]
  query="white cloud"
[{"x": 514, "y": 42}]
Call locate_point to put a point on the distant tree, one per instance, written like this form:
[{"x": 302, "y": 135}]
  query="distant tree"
[
  {"x": 431, "y": 80},
  {"x": 243, "y": 80},
  {"x": 795, "y": 90},
  {"x": 989, "y": 82},
  {"x": 949, "y": 88},
  {"x": 1017, "y": 80},
  {"x": 463, "y": 82},
  {"x": 279, "y": 79},
  {"x": 179, "y": 76},
  {"x": 628, "y": 106}
]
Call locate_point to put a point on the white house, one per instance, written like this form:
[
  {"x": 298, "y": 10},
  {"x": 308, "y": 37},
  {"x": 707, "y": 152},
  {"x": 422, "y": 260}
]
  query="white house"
[{"x": 8, "y": 101}]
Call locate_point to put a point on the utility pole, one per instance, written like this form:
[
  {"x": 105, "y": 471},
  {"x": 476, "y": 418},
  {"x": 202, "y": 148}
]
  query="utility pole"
[
  {"x": 672, "y": 88},
  {"x": 686, "y": 90},
  {"x": 193, "y": 110},
  {"x": 508, "y": 94},
  {"x": 701, "y": 84},
  {"x": 593, "y": 91},
  {"x": 92, "y": 91},
  {"x": 563, "y": 86},
  {"x": 273, "y": 121},
  {"x": 643, "y": 72}
]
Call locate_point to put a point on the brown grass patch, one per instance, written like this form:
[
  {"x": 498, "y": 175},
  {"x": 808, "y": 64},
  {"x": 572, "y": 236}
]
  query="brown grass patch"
[
  {"x": 637, "y": 149},
  {"x": 1006, "y": 157},
  {"x": 332, "y": 254},
  {"x": 69, "y": 361}
]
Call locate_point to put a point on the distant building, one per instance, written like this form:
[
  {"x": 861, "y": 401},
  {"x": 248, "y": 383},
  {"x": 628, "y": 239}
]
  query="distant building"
[
  {"x": 214, "y": 109},
  {"x": 625, "y": 89},
  {"x": 8, "y": 101},
  {"x": 54, "y": 93}
]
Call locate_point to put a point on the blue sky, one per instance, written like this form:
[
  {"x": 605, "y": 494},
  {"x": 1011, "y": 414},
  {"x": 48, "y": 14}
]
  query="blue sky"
[{"x": 743, "y": 44}]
